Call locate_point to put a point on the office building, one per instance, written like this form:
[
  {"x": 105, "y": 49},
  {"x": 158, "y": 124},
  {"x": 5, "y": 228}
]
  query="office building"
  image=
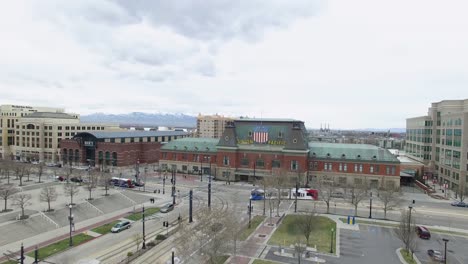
[
  {"x": 440, "y": 141},
  {"x": 211, "y": 126}
]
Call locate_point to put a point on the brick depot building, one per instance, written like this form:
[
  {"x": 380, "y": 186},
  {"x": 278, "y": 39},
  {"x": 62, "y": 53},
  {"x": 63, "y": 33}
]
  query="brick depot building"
[
  {"x": 253, "y": 148},
  {"x": 116, "y": 149}
]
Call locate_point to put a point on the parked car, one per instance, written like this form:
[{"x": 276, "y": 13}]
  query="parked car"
[
  {"x": 459, "y": 204},
  {"x": 59, "y": 178},
  {"x": 435, "y": 254},
  {"x": 122, "y": 225},
  {"x": 423, "y": 232},
  {"x": 167, "y": 208},
  {"x": 75, "y": 179},
  {"x": 138, "y": 183}
]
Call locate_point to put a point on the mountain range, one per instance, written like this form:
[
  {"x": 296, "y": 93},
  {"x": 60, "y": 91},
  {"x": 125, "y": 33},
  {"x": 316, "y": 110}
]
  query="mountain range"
[{"x": 143, "y": 119}]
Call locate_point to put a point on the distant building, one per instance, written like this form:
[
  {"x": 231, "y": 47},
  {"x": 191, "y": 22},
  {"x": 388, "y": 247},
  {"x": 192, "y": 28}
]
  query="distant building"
[
  {"x": 115, "y": 149},
  {"x": 439, "y": 140},
  {"x": 38, "y": 135},
  {"x": 211, "y": 126},
  {"x": 250, "y": 149},
  {"x": 9, "y": 117}
]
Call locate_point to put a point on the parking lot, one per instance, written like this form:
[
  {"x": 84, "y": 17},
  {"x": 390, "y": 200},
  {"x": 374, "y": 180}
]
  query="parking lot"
[{"x": 456, "y": 248}]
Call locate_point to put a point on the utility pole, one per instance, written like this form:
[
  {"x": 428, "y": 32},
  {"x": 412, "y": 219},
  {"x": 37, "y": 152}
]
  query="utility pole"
[
  {"x": 209, "y": 186},
  {"x": 144, "y": 239},
  {"x": 190, "y": 206},
  {"x": 297, "y": 193},
  {"x": 370, "y": 207},
  {"x": 22, "y": 254},
  {"x": 250, "y": 211}
]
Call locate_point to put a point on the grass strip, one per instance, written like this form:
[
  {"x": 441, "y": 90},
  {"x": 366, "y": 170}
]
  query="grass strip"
[
  {"x": 256, "y": 220},
  {"x": 261, "y": 261},
  {"x": 138, "y": 216},
  {"x": 60, "y": 246},
  {"x": 104, "y": 229},
  {"x": 220, "y": 259},
  {"x": 407, "y": 256},
  {"x": 289, "y": 233}
]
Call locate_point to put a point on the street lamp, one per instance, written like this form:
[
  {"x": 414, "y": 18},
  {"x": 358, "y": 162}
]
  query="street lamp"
[
  {"x": 250, "y": 211},
  {"x": 70, "y": 218},
  {"x": 370, "y": 208},
  {"x": 173, "y": 249},
  {"x": 445, "y": 253},
  {"x": 331, "y": 243},
  {"x": 144, "y": 184},
  {"x": 144, "y": 238}
]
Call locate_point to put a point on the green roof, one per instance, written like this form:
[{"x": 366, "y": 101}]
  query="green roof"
[
  {"x": 350, "y": 152},
  {"x": 192, "y": 144}
]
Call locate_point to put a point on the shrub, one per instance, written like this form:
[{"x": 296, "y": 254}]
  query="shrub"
[
  {"x": 129, "y": 254},
  {"x": 160, "y": 237},
  {"x": 151, "y": 244}
]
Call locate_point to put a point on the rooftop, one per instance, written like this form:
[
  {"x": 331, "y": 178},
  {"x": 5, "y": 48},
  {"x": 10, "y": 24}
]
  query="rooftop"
[
  {"x": 192, "y": 144},
  {"x": 350, "y": 152},
  {"x": 50, "y": 115},
  {"x": 267, "y": 120},
  {"x": 133, "y": 133}
]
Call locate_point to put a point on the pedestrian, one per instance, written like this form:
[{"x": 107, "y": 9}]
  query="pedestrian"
[
  {"x": 154, "y": 191},
  {"x": 159, "y": 190}
]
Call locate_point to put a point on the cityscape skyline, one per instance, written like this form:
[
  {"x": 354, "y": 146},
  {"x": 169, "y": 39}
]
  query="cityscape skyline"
[{"x": 333, "y": 62}]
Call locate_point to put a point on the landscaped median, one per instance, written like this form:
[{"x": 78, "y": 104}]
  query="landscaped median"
[
  {"x": 60, "y": 246},
  {"x": 256, "y": 220},
  {"x": 261, "y": 261},
  {"x": 407, "y": 256},
  {"x": 104, "y": 229},
  {"x": 289, "y": 233},
  {"x": 138, "y": 216}
]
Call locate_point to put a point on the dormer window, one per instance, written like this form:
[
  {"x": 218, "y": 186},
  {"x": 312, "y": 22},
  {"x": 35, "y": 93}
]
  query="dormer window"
[
  {"x": 185, "y": 147},
  {"x": 175, "y": 147},
  {"x": 196, "y": 148},
  {"x": 343, "y": 156},
  {"x": 328, "y": 155},
  {"x": 314, "y": 155},
  {"x": 358, "y": 156},
  {"x": 374, "y": 157}
]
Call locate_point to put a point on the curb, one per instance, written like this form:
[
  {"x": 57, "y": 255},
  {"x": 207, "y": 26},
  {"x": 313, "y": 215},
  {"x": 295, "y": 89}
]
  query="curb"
[{"x": 403, "y": 260}]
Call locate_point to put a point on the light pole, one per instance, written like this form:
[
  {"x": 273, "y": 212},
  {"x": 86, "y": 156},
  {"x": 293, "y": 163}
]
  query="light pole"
[
  {"x": 144, "y": 184},
  {"x": 445, "y": 253},
  {"x": 331, "y": 243},
  {"x": 370, "y": 208},
  {"x": 144, "y": 239},
  {"x": 201, "y": 168},
  {"x": 250, "y": 211},
  {"x": 70, "y": 218},
  {"x": 209, "y": 185},
  {"x": 173, "y": 258}
]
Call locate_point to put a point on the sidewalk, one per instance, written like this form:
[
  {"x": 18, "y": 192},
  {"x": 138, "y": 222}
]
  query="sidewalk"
[{"x": 55, "y": 235}]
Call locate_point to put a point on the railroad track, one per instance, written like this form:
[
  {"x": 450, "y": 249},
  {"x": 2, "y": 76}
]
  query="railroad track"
[
  {"x": 157, "y": 256},
  {"x": 114, "y": 256}
]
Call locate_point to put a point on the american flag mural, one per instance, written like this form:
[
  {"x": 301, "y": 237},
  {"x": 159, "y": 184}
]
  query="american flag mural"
[{"x": 260, "y": 134}]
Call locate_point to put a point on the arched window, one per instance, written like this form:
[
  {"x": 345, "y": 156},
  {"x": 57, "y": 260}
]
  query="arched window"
[
  {"x": 65, "y": 156},
  {"x": 77, "y": 156},
  {"x": 70, "y": 156},
  {"x": 114, "y": 158},
  {"x": 30, "y": 126},
  {"x": 100, "y": 157},
  {"x": 107, "y": 158}
]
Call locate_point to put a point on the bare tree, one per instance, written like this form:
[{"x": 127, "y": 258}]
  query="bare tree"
[
  {"x": 137, "y": 238},
  {"x": 299, "y": 249},
  {"x": 27, "y": 172},
  {"x": 390, "y": 198},
  {"x": 21, "y": 200},
  {"x": 48, "y": 194},
  {"x": 358, "y": 193},
  {"x": 40, "y": 171},
  {"x": 234, "y": 227},
  {"x": 405, "y": 231},
  {"x": 279, "y": 181},
  {"x": 105, "y": 181},
  {"x": 6, "y": 191},
  {"x": 69, "y": 173},
  {"x": 463, "y": 191},
  {"x": 307, "y": 224},
  {"x": 327, "y": 188},
  {"x": 70, "y": 189},
  {"x": 91, "y": 183}
]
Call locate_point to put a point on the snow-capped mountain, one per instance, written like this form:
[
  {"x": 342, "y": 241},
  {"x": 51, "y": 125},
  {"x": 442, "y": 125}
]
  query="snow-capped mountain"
[{"x": 138, "y": 118}]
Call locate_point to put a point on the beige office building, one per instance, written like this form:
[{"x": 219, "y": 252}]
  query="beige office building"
[
  {"x": 211, "y": 126},
  {"x": 440, "y": 141},
  {"x": 9, "y": 117}
]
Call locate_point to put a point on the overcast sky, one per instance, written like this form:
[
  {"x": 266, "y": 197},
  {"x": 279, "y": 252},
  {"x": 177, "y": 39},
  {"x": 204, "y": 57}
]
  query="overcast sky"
[{"x": 352, "y": 64}]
